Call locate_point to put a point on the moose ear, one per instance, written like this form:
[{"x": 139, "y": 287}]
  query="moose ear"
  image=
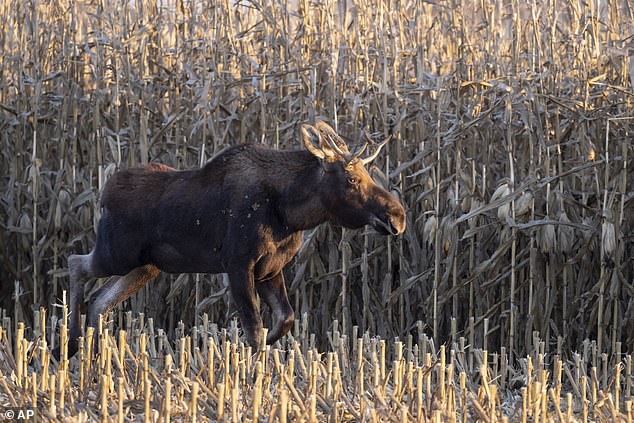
[{"x": 314, "y": 143}]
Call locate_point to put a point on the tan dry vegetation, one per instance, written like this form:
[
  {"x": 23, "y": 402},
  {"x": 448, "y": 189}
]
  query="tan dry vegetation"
[
  {"x": 210, "y": 375},
  {"x": 511, "y": 154}
]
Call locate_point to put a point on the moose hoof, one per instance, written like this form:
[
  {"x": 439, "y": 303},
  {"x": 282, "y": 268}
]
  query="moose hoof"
[
  {"x": 282, "y": 327},
  {"x": 72, "y": 350},
  {"x": 287, "y": 323}
]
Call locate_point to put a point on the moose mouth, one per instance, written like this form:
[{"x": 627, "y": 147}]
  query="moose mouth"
[{"x": 384, "y": 226}]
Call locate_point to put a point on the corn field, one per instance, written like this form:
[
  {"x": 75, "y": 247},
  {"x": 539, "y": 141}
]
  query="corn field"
[{"x": 512, "y": 125}]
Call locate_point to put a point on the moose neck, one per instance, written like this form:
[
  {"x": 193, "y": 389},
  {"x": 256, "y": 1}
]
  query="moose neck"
[{"x": 299, "y": 200}]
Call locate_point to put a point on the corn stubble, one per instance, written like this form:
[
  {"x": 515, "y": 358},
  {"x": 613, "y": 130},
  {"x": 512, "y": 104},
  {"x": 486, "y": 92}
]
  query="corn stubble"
[
  {"x": 210, "y": 373},
  {"x": 512, "y": 124}
]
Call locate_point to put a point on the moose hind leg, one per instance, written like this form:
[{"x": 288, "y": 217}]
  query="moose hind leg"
[
  {"x": 273, "y": 292},
  {"x": 117, "y": 290},
  {"x": 80, "y": 268}
]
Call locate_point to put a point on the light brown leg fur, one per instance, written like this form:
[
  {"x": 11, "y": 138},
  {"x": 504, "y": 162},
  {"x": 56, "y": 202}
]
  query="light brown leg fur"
[{"x": 117, "y": 290}]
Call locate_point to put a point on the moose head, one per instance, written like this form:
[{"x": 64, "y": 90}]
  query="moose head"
[{"x": 346, "y": 189}]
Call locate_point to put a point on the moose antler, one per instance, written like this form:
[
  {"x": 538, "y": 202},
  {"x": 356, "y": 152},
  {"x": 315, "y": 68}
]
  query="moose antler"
[
  {"x": 336, "y": 143},
  {"x": 377, "y": 151},
  {"x": 333, "y": 139}
]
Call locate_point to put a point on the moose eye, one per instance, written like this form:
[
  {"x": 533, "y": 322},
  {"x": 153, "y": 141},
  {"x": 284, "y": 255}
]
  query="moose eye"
[{"x": 353, "y": 181}]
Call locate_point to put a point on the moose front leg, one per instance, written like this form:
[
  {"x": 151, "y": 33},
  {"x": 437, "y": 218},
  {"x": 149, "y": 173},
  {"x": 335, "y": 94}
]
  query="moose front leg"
[
  {"x": 242, "y": 289},
  {"x": 273, "y": 292}
]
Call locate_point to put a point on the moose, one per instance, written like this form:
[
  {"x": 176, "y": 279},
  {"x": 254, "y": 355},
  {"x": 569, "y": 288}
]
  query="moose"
[{"x": 242, "y": 213}]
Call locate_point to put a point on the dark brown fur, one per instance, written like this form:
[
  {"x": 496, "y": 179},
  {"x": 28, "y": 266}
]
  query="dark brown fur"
[{"x": 242, "y": 214}]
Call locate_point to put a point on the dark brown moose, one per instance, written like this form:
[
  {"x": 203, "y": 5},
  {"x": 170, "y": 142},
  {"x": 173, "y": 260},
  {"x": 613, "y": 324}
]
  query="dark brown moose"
[{"x": 243, "y": 214}]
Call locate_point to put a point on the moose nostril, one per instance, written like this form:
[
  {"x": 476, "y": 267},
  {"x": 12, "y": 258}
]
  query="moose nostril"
[{"x": 397, "y": 219}]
